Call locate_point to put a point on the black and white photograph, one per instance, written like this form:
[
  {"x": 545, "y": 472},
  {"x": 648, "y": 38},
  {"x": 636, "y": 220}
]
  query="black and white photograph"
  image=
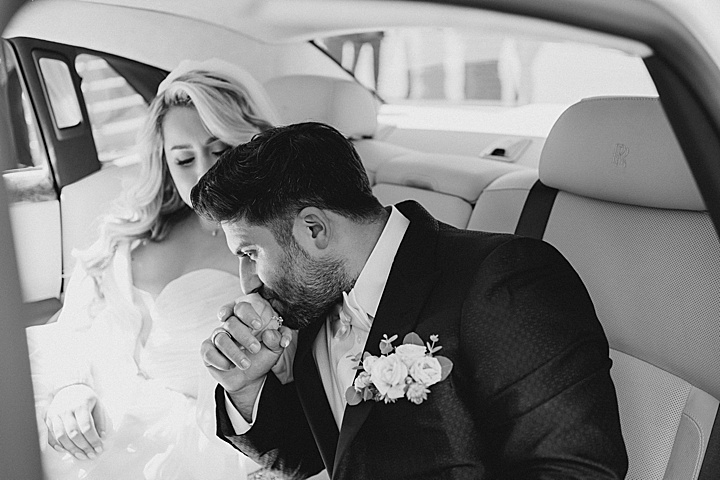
[{"x": 360, "y": 239}]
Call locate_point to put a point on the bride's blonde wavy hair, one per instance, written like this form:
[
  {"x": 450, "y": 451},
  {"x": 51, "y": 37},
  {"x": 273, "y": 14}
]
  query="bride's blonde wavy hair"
[{"x": 231, "y": 109}]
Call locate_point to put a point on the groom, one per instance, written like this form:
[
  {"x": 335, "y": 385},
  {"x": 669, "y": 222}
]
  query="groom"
[{"x": 519, "y": 388}]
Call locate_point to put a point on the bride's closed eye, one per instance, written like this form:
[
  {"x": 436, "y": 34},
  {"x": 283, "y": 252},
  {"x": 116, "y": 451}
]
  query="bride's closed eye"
[
  {"x": 184, "y": 161},
  {"x": 215, "y": 151},
  {"x": 218, "y": 147}
]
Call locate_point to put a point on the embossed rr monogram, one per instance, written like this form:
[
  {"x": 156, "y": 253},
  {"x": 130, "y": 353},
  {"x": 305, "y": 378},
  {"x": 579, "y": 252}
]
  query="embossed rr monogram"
[{"x": 620, "y": 155}]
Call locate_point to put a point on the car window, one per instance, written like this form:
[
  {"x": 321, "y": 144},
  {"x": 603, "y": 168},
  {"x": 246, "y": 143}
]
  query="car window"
[
  {"x": 25, "y": 166},
  {"x": 24, "y": 127},
  {"x": 461, "y": 67},
  {"x": 115, "y": 109},
  {"x": 61, "y": 93}
]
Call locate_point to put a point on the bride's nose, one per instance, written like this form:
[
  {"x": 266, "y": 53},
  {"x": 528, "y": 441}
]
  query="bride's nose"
[{"x": 249, "y": 280}]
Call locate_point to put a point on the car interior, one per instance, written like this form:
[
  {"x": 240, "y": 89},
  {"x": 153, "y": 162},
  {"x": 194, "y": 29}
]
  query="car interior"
[
  {"x": 614, "y": 194},
  {"x": 610, "y": 189}
]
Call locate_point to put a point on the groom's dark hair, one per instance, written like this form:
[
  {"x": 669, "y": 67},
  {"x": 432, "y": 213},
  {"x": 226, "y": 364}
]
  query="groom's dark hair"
[{"x": 270, "y": 179}]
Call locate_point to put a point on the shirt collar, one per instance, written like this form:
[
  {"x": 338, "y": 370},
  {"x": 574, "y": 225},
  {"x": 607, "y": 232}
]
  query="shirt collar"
[{"x": 370, "y": 284}]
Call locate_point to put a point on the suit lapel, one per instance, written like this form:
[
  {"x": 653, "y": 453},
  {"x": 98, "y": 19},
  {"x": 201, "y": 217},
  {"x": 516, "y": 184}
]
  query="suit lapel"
[{"x": 411, "y": 277}]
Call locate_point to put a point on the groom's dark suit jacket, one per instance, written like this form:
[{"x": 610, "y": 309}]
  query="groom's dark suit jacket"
[{"x": 529, "y": 397}]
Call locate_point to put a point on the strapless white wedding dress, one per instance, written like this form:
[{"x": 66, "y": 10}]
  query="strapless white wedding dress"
[{"x": 158, "y": 400}]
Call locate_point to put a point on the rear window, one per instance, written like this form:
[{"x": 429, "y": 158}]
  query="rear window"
[
  {"x": 115, "y": 109},
  {"x": 464, "y": 67}
]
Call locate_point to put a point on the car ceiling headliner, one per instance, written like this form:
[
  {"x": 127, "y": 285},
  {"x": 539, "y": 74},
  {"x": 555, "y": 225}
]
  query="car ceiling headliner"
[{"x": 290, "y": 21}]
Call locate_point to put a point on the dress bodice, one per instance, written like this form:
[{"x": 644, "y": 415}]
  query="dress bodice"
[{"x": 181, "y": 317}]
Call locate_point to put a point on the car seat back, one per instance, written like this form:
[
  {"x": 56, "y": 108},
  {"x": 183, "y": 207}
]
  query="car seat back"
[
  {"x": 341, "y": 103},
  {"x": 616, "y": 197},
  {"x": 446, "y": 185}
]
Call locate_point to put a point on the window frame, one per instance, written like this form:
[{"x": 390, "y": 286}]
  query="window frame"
[{"x": 72, "y": 152}]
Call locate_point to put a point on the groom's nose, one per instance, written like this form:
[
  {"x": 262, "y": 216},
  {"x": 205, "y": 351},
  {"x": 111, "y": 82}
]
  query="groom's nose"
[{"x": 249, "y": 281}]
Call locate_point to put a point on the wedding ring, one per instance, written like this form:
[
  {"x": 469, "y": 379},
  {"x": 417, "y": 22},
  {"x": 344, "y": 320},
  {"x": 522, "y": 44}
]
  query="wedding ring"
[
  {"x": 278, "y": 319},
  {"x": 219, "y": 332}
]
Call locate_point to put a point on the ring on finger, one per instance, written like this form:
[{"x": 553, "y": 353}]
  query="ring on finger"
[
  {"x": 278, "y": 319},
  {"x": 219, "y": 332}
]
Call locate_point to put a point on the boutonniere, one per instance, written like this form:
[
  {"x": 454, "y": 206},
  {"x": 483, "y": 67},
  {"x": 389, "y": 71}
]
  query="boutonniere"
[{"x": 407, "y": 370}]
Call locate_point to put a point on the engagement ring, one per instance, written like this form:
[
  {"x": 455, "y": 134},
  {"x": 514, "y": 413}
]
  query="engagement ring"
[{"x": 278, "y": 319}]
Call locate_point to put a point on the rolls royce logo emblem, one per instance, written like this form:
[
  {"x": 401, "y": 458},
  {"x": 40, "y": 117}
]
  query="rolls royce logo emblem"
[{"x": 620, "y": 155}]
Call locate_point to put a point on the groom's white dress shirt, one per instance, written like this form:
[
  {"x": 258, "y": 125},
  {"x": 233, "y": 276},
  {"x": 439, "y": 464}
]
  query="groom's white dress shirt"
[{"x": 333, "y": 351}]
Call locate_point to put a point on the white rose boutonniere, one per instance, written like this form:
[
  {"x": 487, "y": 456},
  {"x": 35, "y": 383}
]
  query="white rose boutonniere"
[
  {"x": 409, "y": 353},
  {"x": 388, "y": 375},
  {"x": 403, "y": 371}
]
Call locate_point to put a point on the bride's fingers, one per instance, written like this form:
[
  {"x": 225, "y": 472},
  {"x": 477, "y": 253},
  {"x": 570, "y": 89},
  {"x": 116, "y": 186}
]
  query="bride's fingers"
[
  {"x": 88, "y": 430},
  {"x": 100, "y": 420},
  {"x": 225, "y": 311},
  {"x": 52, "y": 441},
  {"x": 261, "y": 305},
  {"x": 57, "y": 429},
  {"x": 246, "y": 313},
  {"x": 286, "y": 336},
  {"x": 76, "y": 430},
  {"x": 66, "y": 432},
  {"x": 277, "y": 340}
]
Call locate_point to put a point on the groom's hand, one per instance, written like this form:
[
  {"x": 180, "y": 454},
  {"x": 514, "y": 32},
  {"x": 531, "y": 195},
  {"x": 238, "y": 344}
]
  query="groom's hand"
[{"x": 244, "y": 348}]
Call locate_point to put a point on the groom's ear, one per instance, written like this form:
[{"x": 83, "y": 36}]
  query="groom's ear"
[{"x": 313, "y": 229}]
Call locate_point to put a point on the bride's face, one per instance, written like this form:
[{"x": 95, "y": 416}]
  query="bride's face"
[{"x": 190, "y": 150}]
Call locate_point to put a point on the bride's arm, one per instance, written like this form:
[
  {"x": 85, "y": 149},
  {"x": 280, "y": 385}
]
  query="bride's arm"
[
  {"x": 73, "y": 418},
  {"x": 67, "y": 351}
]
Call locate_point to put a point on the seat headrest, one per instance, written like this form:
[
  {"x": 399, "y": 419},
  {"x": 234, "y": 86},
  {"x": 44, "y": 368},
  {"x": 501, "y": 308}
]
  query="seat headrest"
[
  {"x": 343, "y": 104},
  {"x": 461, "y": 176},
  {"x": 619, "y": 149}
]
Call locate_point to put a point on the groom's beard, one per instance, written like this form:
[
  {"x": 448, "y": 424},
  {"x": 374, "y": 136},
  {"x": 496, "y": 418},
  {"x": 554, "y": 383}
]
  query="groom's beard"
[{"x": 306, "y": 289}]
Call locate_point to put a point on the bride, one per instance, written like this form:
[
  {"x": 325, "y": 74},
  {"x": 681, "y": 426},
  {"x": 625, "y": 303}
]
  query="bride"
[{"x": 120, "y": 388}]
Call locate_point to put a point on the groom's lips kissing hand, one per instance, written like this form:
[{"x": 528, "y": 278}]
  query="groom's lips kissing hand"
[{"x": 275, "y": 302}]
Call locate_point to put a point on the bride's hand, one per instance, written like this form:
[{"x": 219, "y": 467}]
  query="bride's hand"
[
  {"x": 74, "y": 420},
  {"x": 243, "y": 350}
]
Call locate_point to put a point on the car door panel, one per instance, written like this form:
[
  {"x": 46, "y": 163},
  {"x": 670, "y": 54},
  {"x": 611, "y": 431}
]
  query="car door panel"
[
  {"x": 34, "y": 207},
  {"x": 81, "y": 177},
  {"x": 37, "y": 247}
]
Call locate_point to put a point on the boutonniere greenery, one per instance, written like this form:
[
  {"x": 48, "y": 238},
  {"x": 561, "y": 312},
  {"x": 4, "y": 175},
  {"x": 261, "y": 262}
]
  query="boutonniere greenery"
[{"x": 407, "y": 370}]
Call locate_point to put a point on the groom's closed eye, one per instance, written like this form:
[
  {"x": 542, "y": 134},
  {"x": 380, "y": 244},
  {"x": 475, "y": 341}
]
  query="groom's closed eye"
[{"x": 251, "y": 254}]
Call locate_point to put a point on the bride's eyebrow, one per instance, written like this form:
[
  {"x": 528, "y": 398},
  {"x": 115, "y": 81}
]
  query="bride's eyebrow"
[
  {"x": 180, "y": 147},
  {"x": 184, "y": 146}
]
